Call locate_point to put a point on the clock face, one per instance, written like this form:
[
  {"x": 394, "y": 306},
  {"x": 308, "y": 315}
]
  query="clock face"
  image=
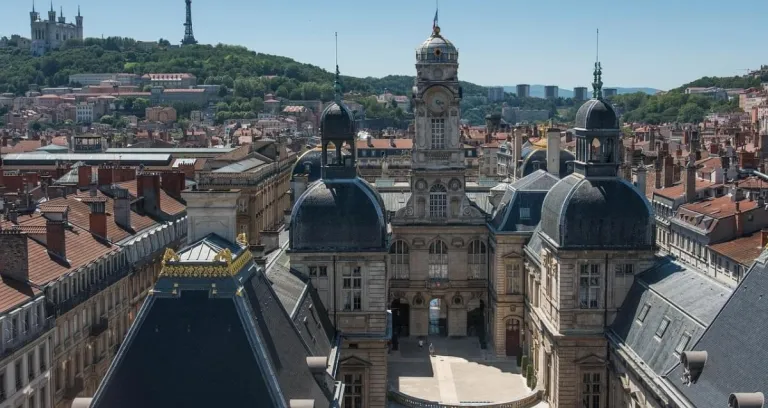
[{"x": 438, "y": 101}]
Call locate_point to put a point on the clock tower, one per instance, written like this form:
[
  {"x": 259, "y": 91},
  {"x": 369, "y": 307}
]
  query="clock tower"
[{"x": 438, "y": 169}]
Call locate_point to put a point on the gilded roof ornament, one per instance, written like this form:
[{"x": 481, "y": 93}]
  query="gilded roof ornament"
[
  {"x": 170, "y": 255},
  {"x": 242, "y": 239}
]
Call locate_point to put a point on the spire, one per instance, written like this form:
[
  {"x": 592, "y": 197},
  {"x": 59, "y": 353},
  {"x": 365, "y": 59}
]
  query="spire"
[
  {"x": 33, "y": 6},
  {"x": 51, "y": 5},
  {"x": 337, "y": 81},
  {"x": 78, "y": 10},
  {"x": 597, "y": 85},
  {"x": 61, "y": 11},
  {"x": 435, "y": 26}
]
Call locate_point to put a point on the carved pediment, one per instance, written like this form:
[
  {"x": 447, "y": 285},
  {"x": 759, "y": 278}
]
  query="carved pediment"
[
  {"x": 355, "y": 361},
  {"x": 590, "y": 359}
]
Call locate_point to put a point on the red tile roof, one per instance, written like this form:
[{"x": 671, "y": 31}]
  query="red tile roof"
[
  {"x": 720, "y": 207},
  {"x": 743, "y": 250},
  {"x": 168, "y": 204},
  {"x": 23, "y": 146}
]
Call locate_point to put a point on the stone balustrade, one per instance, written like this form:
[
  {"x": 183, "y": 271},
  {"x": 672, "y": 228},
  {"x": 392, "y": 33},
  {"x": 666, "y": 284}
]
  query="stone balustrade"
[{"x": 527, "y": 401}]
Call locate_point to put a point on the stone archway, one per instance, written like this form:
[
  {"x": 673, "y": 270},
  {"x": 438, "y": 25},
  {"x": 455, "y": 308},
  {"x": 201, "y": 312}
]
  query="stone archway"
[
  {"x": 512, "y": 342},
  {"x": 401, "y": 319},
  {"x": 437, "y": 316}
]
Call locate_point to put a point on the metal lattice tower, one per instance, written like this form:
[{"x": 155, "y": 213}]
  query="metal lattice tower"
[{"x": 189, "y": 37}]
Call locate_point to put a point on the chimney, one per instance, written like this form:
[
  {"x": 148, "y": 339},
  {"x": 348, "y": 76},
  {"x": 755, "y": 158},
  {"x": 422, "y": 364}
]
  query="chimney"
[
  {"x": 122, "y": 207},
  {"x": 98, "y": 217},
  {"x": 739, "y": 219},
  {"x": 84, "y": 175},
  {"x": 690, "y": 181},
  {"x": 392, "y": 142},
  {"x": 106, "y": 175},
  {"x": 642, "y": 175},
  {"x": 148, "y": 190},
  {"x": 369, "y": 141},
  {"x": 517, "y": 153},
  {"x": 14, "y": 263},
  {"x": 652, "y": 139},
  {"x": 55, "y": 229},
  {"x": 173, "y": 182},
  {"x": 553, "y": 152},
  {"x": 668, "y": 170}
]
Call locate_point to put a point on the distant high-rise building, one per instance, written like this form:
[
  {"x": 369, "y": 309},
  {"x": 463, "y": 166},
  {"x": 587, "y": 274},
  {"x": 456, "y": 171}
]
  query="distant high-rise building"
[
  {"x": 189, "y": 37},
  {"x": 551, "y": 91},
  {"x": 610, "y": 92},
  {"x": 495, "y": 94},
  {"x": 580, "y": 93},
  {"x": 523, "y": 91}
]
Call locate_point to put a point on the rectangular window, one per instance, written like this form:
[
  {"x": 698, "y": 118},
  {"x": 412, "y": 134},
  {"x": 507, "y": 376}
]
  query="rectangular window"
[
  {"x": 643, "y": 313},
  {"x": 683, "y": 343},
  {"x": 352, "y": 289},
  {"x": 625, "y": 269},
  {"x": 43, "y": 397},
  {"x": 31, "y": 365},
  {"x": 353, "y": 390},
  {"x": 313, "y": 271},
  {"x": 41, "y": 357},
  {"x": 242, "y": 205},
  {"x": 513, "y": 279},
  {"x": 19, "y": 378},
  {"x": 590, "y": 390},
  {"x": 438, "y": 134},
  {"x": 322, "y": 271},
  {"x": 662, "y": 328},
  {"x": 589, "y": 286}
]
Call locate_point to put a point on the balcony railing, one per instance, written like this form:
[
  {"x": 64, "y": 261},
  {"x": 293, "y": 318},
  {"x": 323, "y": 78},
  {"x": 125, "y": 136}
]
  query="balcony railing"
[
  {"x": 71, "y": 391},
  {"x": 476, "y": 271},
  {"x": 437, "y": 283},
  {"x": 99, "y": 326},
  {"x": 21, "y": 340}
]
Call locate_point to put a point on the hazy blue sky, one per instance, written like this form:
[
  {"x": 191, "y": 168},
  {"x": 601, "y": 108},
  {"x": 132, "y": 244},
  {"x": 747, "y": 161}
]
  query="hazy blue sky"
[{"x": 656, "y": 43}]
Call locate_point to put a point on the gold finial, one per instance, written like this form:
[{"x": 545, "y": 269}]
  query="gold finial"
[
  {"x": 225, "y": 255},
  {"x": 242, "y": 239},
  {"x": 170, "y": 255}
]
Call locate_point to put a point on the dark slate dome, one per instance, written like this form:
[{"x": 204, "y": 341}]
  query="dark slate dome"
[
  {"x": 596, "y": 114},
  {"x": 311, "y": 163},
  {"x": 531, "y": 155},
  {"x": 339, "y": 215},
  {"x": 437, "y": 49},
  {"x": 337, "y": 121},
  {"x": 580, "y": 213}
]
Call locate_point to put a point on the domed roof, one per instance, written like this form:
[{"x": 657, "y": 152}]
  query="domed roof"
[
  {"x": 343, "y": 216},
  {"x": 580, "y": 213},
  {"x": 437, "y": 49},
  {"x": 337, "y": 122},
  {"x": 311, "y": 163},
  {"x": 531, "y": 155},
  {"x": 596, "y": 114}
]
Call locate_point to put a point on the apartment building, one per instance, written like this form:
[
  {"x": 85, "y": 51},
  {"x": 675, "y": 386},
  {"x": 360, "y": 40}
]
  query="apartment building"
[{"x": 80, "y": 268}]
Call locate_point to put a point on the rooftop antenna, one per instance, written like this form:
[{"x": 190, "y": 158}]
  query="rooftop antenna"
[
  {"x": 597, "y": 86},
  {"x": 337, "y": 82}
]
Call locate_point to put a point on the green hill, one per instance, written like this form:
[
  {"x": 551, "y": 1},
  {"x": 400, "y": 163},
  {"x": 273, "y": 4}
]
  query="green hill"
[{"x": 232, "y": 66}]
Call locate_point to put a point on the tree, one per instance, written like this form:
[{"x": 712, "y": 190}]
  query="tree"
[
  {"x": 296, "y": 95},
  {"x": 164, "y": 43},
  {"x": 107, "y": 120},
  {"x": 140, "y": 105},
  {"x": 34, "y": 126},
  {"x": 690, "y": 113}
]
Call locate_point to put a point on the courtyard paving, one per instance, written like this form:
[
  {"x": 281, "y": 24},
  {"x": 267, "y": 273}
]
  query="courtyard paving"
[{"x": 460, "y": 372}]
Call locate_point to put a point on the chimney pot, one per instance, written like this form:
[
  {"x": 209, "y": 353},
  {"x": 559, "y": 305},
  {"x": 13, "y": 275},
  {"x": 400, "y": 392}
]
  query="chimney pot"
[{"x": 55, "y": 229}]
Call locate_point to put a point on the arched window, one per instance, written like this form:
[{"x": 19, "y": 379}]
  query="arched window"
[
  {"x": 399, "y": 260},
  {"x": 438, "y": 201},
  {"x": 477, "y": 260},
  {"x": 438, "y": 260}
]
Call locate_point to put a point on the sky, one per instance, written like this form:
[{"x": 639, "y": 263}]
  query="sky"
[{"x": 650, "y": 43}]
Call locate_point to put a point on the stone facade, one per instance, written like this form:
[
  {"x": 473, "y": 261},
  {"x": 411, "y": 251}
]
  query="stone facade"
[
  {"x": 353, "y": 288},
  {"x": 52, "y": 33}
]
